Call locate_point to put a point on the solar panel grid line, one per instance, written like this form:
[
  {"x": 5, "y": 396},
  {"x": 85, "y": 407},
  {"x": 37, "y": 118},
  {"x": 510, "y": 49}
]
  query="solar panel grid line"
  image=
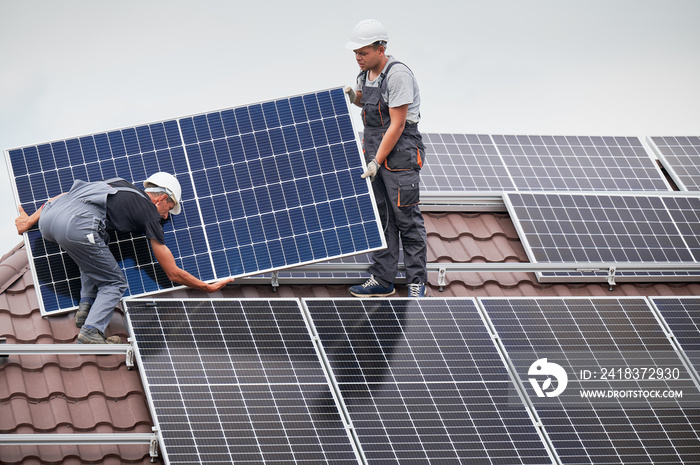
[
  {"x": 413, "y": 388},
  {"x": 663, "y": 431},
  {"x": 235, "y": 173},
  {"x": 275, "y": 406},
  {"x": 198, "y": 212}
]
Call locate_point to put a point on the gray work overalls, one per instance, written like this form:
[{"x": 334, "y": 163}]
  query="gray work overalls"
[
  {"x": 76, "y": 221},
  {"x": 396, "y": 188}
]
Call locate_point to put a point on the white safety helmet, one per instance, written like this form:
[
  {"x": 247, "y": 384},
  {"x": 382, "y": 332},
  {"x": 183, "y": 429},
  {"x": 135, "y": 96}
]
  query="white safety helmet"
[
  {"x": 165, "y": 182},
  {"x": 367, "y": 32}
]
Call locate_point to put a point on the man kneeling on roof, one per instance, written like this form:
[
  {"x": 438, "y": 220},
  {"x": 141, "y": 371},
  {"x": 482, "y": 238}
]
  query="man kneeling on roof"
[{"x": 80, "y": 220}]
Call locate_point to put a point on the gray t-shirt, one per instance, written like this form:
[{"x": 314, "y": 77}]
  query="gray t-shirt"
[{"x": 401, "y": 89}]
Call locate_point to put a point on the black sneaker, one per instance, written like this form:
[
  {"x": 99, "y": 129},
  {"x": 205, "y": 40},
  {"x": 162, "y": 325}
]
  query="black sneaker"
[
  {"x": 95, "y": 336},
  {"x": 371, "y": 288},
  {"x": 82, "y": 313}
]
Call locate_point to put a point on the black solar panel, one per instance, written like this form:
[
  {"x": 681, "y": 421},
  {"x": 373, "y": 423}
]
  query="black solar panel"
[
  {"x": 610, "y": 228},
  {"x": 682, "y": 315},
  {"x": 681, "y": 158},
  {"x": 266, "y": 186},
  {"x": 237, "y": 382},
  {"x": 604, "y": 380},
  {"x": 500, "y": 163},
  {"x": 423, "y": 382},
  {"x": 463, "y": 162}
]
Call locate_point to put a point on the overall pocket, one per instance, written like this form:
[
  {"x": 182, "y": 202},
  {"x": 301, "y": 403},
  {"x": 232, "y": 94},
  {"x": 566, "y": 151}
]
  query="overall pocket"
[{"x": 409, "y": 194}]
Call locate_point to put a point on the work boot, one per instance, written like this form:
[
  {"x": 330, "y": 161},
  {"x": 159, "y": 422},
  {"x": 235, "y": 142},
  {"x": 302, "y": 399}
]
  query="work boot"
[
  {"x": 95, "y": 336},
  {"x": 416, "y": 290},
  {"x": 371, "y": 288},
  {"x": 82, "y": 313}
]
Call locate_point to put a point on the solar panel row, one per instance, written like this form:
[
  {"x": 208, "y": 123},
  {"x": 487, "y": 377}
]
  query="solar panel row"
[
  {"x": 456, "y": 380},
  {"x": 500, "y": 163},
  {"x": 265, "y": 187}
]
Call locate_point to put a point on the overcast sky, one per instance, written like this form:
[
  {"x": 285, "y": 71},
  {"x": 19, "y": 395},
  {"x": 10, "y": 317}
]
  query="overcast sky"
[{"x": 589, "y": 67}]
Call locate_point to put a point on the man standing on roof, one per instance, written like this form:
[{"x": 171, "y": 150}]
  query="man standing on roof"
[
  {"x": 387, "y": 92},
  {"x": 80, "y": 220}
]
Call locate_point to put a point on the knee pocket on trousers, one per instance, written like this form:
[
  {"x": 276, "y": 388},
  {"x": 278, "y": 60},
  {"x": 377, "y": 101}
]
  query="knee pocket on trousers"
[{"x": 409, "y": 194}]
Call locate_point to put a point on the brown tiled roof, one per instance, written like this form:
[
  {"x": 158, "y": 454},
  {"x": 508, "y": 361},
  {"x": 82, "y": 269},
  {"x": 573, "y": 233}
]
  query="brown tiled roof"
[
  {"x": 62, "y": 393},
  {"x": 71, "y": 393}
]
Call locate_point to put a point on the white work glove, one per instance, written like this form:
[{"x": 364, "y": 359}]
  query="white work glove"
[
  {"x": 372, "y": 168},
  {"x": 351, "y": 94}
]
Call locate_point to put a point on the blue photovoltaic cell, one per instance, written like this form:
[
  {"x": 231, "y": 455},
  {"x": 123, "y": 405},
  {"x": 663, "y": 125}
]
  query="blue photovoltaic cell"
[
  {"x": 682, "y": 315},
  {"x": 500, "y": 163},
  {"x": 423, "y": 382},
  {"x": 605, "y": 370},
  {"x": 265, "y": 187},
  {"x": 237, "y": 382},
  {"x": 681, "y": 158}
]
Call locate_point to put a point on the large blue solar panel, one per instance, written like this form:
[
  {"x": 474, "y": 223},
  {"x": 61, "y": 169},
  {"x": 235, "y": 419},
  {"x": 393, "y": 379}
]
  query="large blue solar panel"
[
  {"x": 603, "y": 378},
  {"x": 266, "y": 186},
  {"x": 423, "y": 382},
  {"x": 236, "y": 381}
]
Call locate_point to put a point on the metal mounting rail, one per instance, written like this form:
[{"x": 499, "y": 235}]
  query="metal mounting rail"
[
  {"x": 81, "y": 439},
  {"x": 462, "y": 201},
  {"x": 507, "y": 266},
  {"x": 608, "y": 270},
  {"x": 71, "y": 349}
]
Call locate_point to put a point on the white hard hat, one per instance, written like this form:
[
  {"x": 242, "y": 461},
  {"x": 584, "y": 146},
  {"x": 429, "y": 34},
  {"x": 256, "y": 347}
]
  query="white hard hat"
[
  {"x": 170, "y": 184},
  {"x": 367, "y": 32}
]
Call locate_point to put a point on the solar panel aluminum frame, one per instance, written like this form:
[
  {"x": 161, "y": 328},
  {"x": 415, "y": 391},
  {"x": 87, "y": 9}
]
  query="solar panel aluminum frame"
[
  {"x": 689, "y": 271},
  {"x": 149, "y": 396},
  {"x": 201, "y": 224}
]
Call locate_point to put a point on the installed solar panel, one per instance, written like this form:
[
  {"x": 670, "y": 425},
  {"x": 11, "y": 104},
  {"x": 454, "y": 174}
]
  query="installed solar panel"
[
  {"x": 463, "y": 162},
  {"x": 610, "y": 228},
  {"x": 681, "y": 158},
  {"x": 265, "y": 187},
  {"x": 499, "y": 163},
  {"x": 682, "y": 315},
  {"x": 423, "y": 382},
  {"x": 236, "y": 382},
  {"x": 603, "y": 377}
]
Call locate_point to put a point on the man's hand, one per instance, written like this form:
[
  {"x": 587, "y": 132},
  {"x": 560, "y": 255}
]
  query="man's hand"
[
  {"x": 351, "y": 94},
  {"x": 215, "y": 286},
  {"x": 372, "y": 168},
  {"x": 23, "y": 222}
]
